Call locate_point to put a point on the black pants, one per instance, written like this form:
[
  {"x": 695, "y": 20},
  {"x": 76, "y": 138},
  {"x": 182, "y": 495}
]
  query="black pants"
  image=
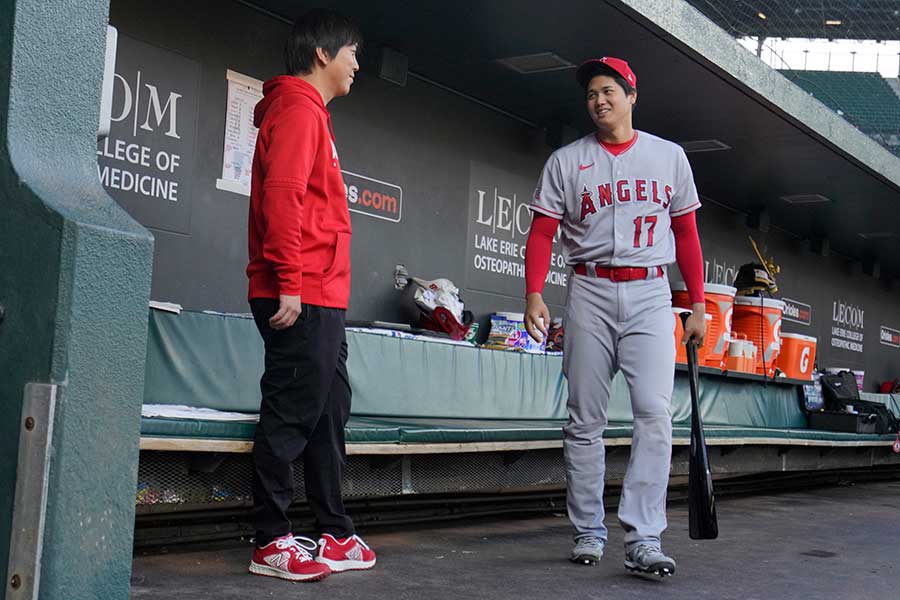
[{"x": 305, "y": 406}]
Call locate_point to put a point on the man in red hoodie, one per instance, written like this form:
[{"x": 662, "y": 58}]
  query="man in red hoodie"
[{"x": 299, "y": 272}]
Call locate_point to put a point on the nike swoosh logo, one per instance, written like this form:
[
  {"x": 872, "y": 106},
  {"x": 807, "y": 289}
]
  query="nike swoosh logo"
[{"x": 583, "y": 167}]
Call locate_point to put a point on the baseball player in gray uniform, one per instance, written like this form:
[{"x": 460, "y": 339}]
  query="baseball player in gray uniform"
[{"x": 618, "y": 195}]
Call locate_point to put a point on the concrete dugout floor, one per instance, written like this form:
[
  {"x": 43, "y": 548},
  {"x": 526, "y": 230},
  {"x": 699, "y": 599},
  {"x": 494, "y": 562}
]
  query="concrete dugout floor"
[{"x": 831, "y": 543}]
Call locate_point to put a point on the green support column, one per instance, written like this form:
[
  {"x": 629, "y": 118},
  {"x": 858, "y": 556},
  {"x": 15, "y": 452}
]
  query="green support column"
[{"x": 74, "y": 285}]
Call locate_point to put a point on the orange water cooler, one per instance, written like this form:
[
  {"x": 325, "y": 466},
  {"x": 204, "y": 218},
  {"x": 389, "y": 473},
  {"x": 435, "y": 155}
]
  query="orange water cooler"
[
  {"x": 797, "y": 356},
  {"x": 759, "y": 319},
  {"x": 719, "y": 306}
]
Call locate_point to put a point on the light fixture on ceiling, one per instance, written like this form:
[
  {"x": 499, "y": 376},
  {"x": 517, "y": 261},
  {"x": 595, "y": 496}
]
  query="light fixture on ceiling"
[
  {"x": 878, "y": 235},
  {"x": 761, "y": 15},
  {"x": 806, "y": 199},
  {"x": 710, "y": 145},
  {"x": 833, "y": 22},
  {"x": 536, "y": 63}
]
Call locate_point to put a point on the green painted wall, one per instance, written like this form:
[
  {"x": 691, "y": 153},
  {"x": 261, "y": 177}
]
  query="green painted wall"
[{"x": 74, "y": 282}]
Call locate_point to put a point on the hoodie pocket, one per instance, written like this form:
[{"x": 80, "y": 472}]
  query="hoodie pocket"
[{"x": 340, "y": 266}]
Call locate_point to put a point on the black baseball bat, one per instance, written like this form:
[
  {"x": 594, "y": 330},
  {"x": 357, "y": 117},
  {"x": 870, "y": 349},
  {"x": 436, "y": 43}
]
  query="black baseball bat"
[{"x": 702, "y": 520}]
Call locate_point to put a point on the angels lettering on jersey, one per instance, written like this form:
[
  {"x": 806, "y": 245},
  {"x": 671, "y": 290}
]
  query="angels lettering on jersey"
[{"x": 644, "y": 191}]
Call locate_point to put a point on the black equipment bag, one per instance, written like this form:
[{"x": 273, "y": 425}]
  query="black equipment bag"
[
  {"x": 867, "y": 417},
  {"x": 832, "y": 420},
  {"x": 885, "y": 421},
  {"x": 839, "y": 389}
]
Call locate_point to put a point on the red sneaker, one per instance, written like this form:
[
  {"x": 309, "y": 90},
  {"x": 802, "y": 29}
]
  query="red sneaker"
[
  {"x": 345, "y": 554},
  {"x": 288, "y": 558}
]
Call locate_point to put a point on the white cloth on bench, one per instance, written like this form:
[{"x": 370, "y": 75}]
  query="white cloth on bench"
[{"x": 179, "y": 411}]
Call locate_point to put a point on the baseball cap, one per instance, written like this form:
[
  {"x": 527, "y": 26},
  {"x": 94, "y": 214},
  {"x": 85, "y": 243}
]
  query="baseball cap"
[{"x": 602, "y": 66}]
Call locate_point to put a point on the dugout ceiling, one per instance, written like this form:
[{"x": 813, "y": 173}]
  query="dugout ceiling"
[{"x": 694, "y": 84}]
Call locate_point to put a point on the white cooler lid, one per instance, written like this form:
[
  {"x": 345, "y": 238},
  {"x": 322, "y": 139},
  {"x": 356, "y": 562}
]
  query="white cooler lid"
[
  {"x": 679, "y": 311},
  {"x": 797, "y": 336},
  {"x": 712, "y": 288},
  {"x": 754, "y": 301}
]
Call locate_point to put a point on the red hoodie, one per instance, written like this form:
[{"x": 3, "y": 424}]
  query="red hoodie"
[{"x": 299, "y": 225}]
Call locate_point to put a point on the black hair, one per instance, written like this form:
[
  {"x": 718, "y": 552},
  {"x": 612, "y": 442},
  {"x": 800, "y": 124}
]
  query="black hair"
[
  {"x": 602, "y": 69},
  {"x": 318, "y": 28},
  {"x": 623, "y": 84}
]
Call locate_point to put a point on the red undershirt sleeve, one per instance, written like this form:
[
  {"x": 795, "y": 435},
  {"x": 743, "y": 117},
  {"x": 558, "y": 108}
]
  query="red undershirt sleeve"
[
  {"x": 687, "y": 253},
  {"x": 538, "y": 249}
]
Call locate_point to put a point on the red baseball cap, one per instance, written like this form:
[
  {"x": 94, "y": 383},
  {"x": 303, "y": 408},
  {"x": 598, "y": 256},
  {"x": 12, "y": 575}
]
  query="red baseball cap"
[{"x": 604, "y": 66}]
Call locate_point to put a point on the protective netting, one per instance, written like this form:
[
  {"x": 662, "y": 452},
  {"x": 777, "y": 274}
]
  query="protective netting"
[{"x": 845, "y": 54}]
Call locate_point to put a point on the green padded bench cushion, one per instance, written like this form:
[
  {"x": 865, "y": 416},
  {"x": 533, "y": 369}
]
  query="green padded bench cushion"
[
  {"x": 359, "y": 430},
  {"x": 196, "y": 429},
  {"x": 447, "y": 431},
  {"x": 435, "y": 431},
  {"x": 384, "y": 430},
  {"x": 725, "y": 432},
  {"x": 444, "y": 431},
  {"x": 215, "y": 361}
]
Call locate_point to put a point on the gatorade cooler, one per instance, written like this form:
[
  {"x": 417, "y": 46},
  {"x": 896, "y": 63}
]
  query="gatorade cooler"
[
  {"x": 760, "y": 320},
  {"x": 719, "y": 304},
  {"x": 797, "y": 356},
  {"x": 681, "y": 349}
]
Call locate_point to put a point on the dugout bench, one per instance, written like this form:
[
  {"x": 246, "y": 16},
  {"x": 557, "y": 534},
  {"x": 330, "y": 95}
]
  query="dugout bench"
[{"x": 432, "y": 417}]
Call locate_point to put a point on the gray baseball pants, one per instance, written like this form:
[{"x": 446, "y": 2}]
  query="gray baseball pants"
[{"x": 627, "y": 326}]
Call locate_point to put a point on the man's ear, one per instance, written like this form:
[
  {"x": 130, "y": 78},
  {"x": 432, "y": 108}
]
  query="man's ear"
[
  {"x": 322, "y": 57},
  {"x": 633, "y": 97}
]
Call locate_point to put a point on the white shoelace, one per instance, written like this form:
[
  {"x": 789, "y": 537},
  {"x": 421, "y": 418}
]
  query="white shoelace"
[{"x": 298, "y": 545}]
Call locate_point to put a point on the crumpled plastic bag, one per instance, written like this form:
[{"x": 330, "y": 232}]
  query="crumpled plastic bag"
[{"x": 438, "y": 292}]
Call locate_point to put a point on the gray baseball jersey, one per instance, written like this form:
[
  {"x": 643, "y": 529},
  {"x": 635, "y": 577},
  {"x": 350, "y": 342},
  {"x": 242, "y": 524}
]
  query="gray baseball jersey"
[{"x": 617, "y": 210}]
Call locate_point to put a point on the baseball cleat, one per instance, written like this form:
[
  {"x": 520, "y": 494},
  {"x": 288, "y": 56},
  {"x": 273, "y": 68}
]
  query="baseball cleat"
[
  {"x": 649, "y": 560},
  {"x": 587, "y": 551}
]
